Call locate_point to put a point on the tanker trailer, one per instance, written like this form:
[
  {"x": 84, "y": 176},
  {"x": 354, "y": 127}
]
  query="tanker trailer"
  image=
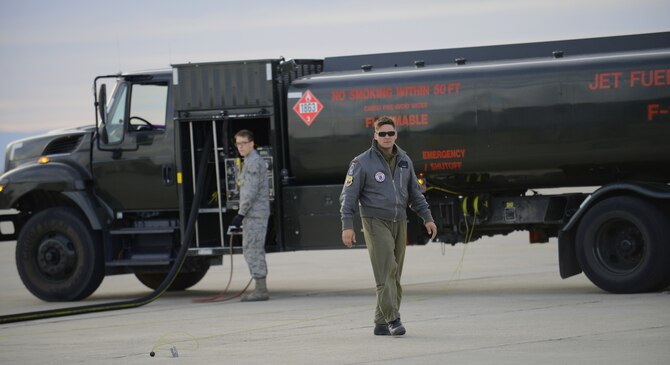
[{"x": 485, "y": 135}]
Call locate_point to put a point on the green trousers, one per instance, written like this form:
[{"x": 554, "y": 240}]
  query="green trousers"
[{"x": 386, "y": 242}]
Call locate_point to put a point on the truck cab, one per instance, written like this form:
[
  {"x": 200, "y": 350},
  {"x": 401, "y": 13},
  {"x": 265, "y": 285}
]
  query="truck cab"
[{"x": 99, "y": 200}]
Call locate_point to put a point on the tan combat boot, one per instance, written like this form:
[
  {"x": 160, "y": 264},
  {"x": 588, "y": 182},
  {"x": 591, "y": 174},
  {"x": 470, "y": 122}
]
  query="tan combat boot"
[{"x": 259, "y": 293}]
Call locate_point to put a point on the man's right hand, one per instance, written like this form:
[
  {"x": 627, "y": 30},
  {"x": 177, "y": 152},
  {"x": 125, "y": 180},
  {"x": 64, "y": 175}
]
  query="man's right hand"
[{"x": 348, "y": 237}]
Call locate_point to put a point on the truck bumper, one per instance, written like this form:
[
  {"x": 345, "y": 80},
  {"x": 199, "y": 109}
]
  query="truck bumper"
[{"x": 7, "y": 225}]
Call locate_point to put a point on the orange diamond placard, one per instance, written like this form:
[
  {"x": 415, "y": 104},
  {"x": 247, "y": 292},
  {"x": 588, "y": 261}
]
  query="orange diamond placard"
[{"x": 308, "y": 107}]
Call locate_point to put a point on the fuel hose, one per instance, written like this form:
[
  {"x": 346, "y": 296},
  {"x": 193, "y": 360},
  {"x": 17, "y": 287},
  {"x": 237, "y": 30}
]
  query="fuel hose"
[{"x": 133, "y": 303}]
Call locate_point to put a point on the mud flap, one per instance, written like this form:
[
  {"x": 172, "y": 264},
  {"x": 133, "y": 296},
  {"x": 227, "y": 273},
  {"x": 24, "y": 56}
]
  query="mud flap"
[{"x": 567, "y": 255}]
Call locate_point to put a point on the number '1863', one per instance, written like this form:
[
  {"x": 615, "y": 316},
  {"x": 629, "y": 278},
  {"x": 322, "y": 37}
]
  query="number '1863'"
[{"x": 307, "y": 108}]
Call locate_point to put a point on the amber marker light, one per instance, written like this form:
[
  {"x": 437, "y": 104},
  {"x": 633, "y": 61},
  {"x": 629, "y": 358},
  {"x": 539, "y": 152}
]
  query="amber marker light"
[
  {"x": 43, "y": 160},
  {"x": 422, "y": 182}
]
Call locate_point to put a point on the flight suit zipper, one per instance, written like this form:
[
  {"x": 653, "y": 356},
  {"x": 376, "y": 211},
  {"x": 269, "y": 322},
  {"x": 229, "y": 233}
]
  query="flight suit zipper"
[{"x": 395, "y": 190}]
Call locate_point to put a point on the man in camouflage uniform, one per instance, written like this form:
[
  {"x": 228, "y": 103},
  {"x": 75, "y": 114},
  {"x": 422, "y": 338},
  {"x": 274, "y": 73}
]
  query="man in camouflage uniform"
[
  {"x": 381, "y": 184},
  {"x": 254, "y": 213}
]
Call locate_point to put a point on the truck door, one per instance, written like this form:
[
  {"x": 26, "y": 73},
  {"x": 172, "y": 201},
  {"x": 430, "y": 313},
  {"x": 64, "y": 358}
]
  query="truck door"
[{"x": 134, "y": 163}]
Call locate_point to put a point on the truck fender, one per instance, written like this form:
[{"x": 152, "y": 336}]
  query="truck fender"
[
  {"x": 567, "y": 256},
  {"x": 84, "y": 201},
  {"x": 650, "y": 190},
  {"x": 53, "y": 176}
]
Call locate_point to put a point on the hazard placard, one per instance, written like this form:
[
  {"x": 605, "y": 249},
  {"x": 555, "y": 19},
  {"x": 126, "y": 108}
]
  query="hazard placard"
[{"x": 308, "y": 107}]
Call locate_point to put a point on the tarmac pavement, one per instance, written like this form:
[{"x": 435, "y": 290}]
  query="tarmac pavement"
[{"x": 494, "y": 301}]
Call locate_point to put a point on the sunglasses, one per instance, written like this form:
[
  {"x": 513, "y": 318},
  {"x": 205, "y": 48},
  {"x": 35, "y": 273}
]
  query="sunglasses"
[{"x": 384, "y": 134}]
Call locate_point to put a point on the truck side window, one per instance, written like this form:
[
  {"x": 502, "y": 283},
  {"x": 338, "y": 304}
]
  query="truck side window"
[{"x": 148, "y": 105}]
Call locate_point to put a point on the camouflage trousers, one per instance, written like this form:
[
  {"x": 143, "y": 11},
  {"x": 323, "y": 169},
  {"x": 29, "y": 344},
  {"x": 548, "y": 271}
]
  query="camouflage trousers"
[{"x": 253, "y": 245}]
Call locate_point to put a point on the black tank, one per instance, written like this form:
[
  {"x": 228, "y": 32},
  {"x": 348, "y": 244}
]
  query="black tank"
[{"x": 494, "y": 125}]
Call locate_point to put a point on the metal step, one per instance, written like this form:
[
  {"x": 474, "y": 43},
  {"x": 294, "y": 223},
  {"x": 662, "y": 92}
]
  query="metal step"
[
  {"x": 143, "y": 230},
  {"x": 138, "y": 262},
  {"x": 212, "y": 210},
  {"x": 211, "y": 251}
]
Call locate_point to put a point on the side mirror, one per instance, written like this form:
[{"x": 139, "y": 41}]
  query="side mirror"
[
  {"x": 102, "y": 103},
  {"x": 102, "y": 110},
  {"x": 103, "y": 134}
]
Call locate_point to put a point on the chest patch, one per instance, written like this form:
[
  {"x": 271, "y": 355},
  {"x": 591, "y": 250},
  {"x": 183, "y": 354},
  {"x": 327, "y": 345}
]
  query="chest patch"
[{"x": 380, "y": 177}]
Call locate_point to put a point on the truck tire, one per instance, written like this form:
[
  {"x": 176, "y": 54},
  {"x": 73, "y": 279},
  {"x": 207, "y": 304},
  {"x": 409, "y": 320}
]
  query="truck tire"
[
  {"x": 56, "y": 256},
  {"x": 623, "y": 245},
  {"x": 183, "y": 281}
]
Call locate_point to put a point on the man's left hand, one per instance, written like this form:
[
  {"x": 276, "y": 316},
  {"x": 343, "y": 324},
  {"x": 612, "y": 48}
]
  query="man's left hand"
[
  {"x": 237, "y": 221},
  {"x": 432, "y": 229}
]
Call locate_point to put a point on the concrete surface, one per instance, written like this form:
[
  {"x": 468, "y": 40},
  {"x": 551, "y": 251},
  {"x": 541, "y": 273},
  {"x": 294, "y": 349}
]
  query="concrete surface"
[{"x": 495, "y": 301}]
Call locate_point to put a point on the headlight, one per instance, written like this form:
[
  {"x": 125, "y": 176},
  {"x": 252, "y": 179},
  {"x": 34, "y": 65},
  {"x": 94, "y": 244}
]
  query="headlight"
[{"x": 14, "y": 147}]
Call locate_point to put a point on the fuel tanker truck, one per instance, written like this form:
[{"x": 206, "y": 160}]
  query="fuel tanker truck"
[{"x": 496, "y": 133}]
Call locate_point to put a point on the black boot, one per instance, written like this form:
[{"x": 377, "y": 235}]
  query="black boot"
[
  {"x": 396, "y": 328},
  {"x": 382, "y": 329}
]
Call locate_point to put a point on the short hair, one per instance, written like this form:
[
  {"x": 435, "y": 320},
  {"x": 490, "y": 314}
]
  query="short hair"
[
  {"x": 384, "y": 121},
  {"x": 245, "y": 133}
]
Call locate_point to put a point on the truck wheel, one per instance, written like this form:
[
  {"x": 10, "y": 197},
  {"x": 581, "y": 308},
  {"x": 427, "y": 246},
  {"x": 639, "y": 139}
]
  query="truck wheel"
[
  {"x": 183, "y": 281},
  {"x": 623, "y": 245},
  {"x": 57, "y": 258}
]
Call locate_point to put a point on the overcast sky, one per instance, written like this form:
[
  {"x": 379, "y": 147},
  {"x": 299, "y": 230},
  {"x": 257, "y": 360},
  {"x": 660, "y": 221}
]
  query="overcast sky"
[{"x": 50, "y": 51}]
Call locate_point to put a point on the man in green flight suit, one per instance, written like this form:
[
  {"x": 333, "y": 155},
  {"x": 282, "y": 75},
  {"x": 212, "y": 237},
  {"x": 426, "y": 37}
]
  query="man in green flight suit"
[{"x": 382, "y": 183}]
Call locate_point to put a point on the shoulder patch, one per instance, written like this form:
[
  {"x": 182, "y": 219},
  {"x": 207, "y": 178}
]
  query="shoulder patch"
[
  {"x": 348, "y": 181},
  {"x": 351, "y": 168}
]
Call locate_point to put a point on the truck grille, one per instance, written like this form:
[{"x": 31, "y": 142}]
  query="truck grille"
[{"x": 65, "y": 144}]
